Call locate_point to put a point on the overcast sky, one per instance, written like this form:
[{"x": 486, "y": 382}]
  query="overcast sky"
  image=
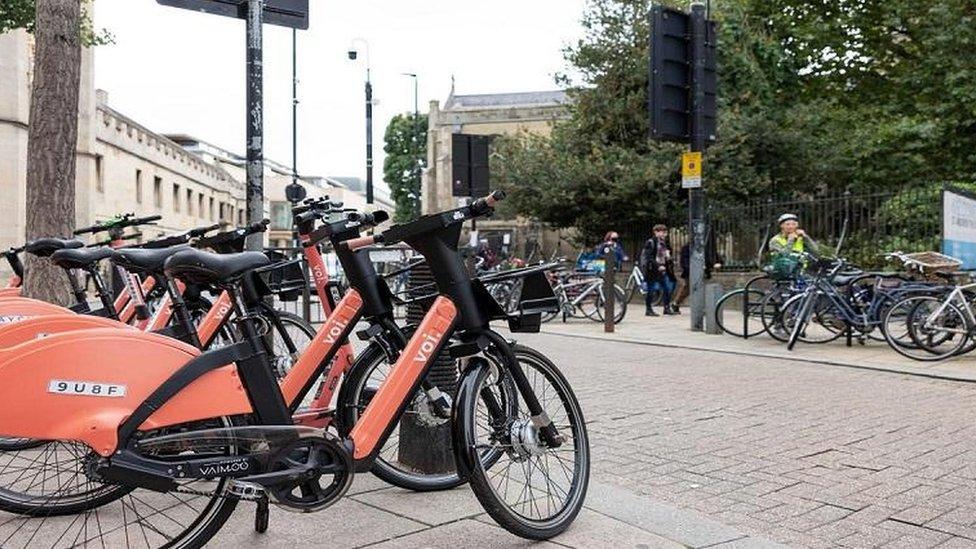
[{"x": 179, "y": 71}]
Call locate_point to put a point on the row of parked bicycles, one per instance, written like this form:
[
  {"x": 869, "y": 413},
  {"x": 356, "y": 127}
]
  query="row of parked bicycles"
[
  {"x": 924, "y": 311},
  {"x": 146, "y": 418}
]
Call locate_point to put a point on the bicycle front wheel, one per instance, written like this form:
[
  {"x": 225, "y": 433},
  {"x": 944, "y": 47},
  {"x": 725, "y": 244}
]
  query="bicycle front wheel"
[
  {"x": 822, "y": 323},
  {"x": 532, "y": 489},
  {"x": 927, "y": 329},
  {"x": 619, "y": 305},
  {"x": 740, "y": 313}
]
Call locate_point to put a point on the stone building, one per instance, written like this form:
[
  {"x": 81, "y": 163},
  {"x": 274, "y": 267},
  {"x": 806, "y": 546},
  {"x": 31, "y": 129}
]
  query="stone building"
[
  {"x": 488, "y": 114},
  {"x": 485, "y": 114},
  {"x": 122, "y": 166}
]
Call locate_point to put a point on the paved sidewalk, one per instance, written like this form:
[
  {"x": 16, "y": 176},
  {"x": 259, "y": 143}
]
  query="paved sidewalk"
[
  {"x": 378, "y": 515},
  {"x": 674, "y": 331}
]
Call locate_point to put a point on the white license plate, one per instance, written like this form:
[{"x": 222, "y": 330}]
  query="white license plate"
[
  {"x": 86, "y": 388},
  {"x": 6, "y": 319}
]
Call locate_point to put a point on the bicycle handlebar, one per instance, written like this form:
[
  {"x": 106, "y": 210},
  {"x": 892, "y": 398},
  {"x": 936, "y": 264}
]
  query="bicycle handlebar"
[
  {"x": 200, "y": 231},
  {"x": 362, "y": 242},
  {"x": 119, "y": 222},
  {"x": 431, "y": 223},
  {"x": 368, "y": 219}
]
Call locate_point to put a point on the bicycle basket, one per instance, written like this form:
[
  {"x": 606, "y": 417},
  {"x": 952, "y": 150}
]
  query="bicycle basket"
[
  {"x": 285, "y": 277},
  {"x": 932, "y": 261},
  {"x": 782, "y": 267},
  {"x": 535, "y": 296}
]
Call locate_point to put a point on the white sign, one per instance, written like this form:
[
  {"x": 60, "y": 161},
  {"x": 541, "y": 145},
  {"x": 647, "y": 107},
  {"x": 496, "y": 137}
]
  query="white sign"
[
  {"x": 959, "y": 227},
  {"x": 86, "y": 388}
]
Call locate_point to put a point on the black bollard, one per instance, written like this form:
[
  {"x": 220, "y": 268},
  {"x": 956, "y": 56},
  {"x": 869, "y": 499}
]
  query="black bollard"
[{"x": 425, "y": 439}]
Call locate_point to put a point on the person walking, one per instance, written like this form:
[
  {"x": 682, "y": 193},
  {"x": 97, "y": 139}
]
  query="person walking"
[
  {"x": 712, "y": 261},
  {"x": 657, "y": 262}
]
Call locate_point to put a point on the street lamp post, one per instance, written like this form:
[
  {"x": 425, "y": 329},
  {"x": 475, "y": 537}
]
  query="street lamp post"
[
  {"x": 353, "y": 54},
  {"x": 416, "y": 138}
]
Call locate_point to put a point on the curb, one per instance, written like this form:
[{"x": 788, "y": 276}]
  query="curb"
[{"x": 889, "y": 370}]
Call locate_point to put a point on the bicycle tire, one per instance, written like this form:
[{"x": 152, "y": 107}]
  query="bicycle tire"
[
  {"x": 926, "y": 353},
  {"x": 350, "y": 404},
  {"x": 815, "y": 312},
  {"x": 619, "y": 305},
  {"x": 734, "y": 325},
  {"x": 466, "y": 443}
]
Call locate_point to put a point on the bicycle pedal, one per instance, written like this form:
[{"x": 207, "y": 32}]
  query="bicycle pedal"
[{"x": 247, "y": 491}]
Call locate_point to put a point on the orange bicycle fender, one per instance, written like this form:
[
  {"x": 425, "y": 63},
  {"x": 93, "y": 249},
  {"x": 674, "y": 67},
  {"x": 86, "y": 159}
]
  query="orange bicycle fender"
[
  {"x": 81, "y": 386},
  {"x": 15, "y": 309},
  {"x": 15, "y": 333}
]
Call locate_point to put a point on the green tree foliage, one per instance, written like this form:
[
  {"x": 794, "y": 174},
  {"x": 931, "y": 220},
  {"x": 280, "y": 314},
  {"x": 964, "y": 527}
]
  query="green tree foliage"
[
  {"x": 19, "y": 14},
  {"x": 901, "y": 77},
  {"x": 405, "y": 145},
  {"x": 859, "y": 94},
  {"x": 599, "y": 167}
]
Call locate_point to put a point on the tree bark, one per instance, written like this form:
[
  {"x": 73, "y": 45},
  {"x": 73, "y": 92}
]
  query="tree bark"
[{"x": 52, "y": 140}]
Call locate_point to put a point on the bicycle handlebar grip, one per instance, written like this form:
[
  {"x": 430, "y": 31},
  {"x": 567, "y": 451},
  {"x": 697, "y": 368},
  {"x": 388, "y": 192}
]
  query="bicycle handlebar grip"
[
  {"x": 305, "y": 216},
  {"x": 361, "y": 242},
  {"x": 85, "y": 230},
  {"x": 258, "y": 227},
  {"x": 368, "y": 219},
  {"x": 200, "y": 231},
  {"x": 144, "y": 220},
  {"x": 494, "y": 198}
]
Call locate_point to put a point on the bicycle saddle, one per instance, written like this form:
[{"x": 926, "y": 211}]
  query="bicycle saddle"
[
  {"x": 80, "y": 258},
  {"x": 139, "y": 260},
  {"x": 44, "y": 247},
  {"x": 198, "y": 267}
]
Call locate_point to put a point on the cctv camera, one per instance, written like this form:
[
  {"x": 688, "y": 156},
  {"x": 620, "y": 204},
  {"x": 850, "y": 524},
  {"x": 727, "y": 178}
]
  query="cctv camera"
[{"x": 353, "y": 54}]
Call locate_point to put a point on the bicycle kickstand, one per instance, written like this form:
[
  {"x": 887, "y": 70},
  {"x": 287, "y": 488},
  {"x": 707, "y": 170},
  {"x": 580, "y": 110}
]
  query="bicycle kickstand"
[{"x": 262, "y": 515}]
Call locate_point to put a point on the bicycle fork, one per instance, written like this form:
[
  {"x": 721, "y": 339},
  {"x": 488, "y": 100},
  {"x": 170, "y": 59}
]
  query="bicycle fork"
[{"x": 801, "y": 320}]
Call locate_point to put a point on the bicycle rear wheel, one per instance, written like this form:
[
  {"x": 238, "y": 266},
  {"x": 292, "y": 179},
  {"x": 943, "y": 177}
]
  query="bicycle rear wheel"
[{"x": 112, "y": 515}]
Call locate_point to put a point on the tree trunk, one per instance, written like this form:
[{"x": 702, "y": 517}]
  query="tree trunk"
[{"x": 52, "y": 139}]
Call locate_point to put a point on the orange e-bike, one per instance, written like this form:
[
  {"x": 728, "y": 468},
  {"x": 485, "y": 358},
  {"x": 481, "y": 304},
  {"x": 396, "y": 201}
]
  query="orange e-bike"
[{"x": 179, "y": 441}]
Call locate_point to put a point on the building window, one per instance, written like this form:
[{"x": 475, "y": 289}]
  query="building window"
[
  {"x": 280, "y": 216},
  {"x": 158, "y": 191},
  {"x": 138, "y": 186},
  {"x": 211, "y": 208},
  {"x": 200, "y": 211},
  {"x": 240, "y": 216},
  {"x": 189, "y": 202},
  {"x": 99, "y": 175},
  {"x": 176, "y": 198}
]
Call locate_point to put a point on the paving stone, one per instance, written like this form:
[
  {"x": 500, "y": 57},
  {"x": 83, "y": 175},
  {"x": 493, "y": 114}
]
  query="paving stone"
[
  {"x": 347, "y": 524},
  {"x": 778, "y": 436},
  {"x": 430, "y": 508},
  {"x": 465, "y": 533}
]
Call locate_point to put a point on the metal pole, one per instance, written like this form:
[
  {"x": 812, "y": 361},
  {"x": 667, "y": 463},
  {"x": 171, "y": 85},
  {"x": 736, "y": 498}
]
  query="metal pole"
[
  {"x": 255, "y": 121},
  {"x": 608, "y": 286},
  {"x": 369, "y": 138},
  {"x": 416, "y": 136},
  {"x": 296, "y": 243},
  {"x": 696, "y": 199}
]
